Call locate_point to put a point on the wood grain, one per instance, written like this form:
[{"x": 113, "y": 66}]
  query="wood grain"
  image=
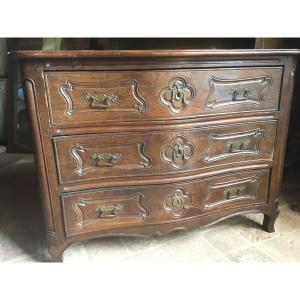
[
  {"x": 150, "y": 53},
  {"x": 153, "y": 153},
  {"x": 152, "y": 95},
  {"x": 209, "y": 142},
  {"x": 154, "y": 205}
]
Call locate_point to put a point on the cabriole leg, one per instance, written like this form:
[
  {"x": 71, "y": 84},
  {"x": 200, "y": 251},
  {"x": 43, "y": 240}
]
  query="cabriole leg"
[
  {"x": 56, "y": 253},
  {"x": 269, "y": 221}
]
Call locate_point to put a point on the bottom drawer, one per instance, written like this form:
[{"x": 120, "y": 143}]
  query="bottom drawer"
[{"x": 108, "y": 208}]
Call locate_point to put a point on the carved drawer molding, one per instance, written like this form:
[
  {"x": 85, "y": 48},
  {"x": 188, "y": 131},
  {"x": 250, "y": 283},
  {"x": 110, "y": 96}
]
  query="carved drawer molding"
[
  {"x": 111, "y": 209},
  {"x": 239, "y": 91},
  {"x": 102, "y": 96},
  {"x": 226, "y": 192},
  {"x": 93, "y": 158},
  {"x": 223, "y": 146},
  {"x": 97, "y": 99}
]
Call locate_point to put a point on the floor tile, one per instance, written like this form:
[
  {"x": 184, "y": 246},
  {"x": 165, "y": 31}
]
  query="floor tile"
[
  {"x": 285, "y": 248},
  {"x": 250, "y": 228},
  {"x": 10, "y": 250},
  {"x": 225, "y": 239},
  {"x": 140, "y": 244},
  {"x": 106, "y": 249},
  {"x": 75, "y": 253},
  {"x": 21, "y": 239},
  {"x": 250, "y": 255},
  {"x": 221, "y": 259},
  {"x": 156, "y": 255},
  {"x": 287, "y": 221},
  {"x": 27, "y": 259},
  {"x": 190, "y": 250}
]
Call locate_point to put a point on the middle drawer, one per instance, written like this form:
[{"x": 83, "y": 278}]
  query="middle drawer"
[{"x": 116, "y": 155}]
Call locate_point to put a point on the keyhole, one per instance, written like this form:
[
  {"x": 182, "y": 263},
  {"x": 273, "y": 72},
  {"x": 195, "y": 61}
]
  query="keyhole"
[
  {"x": 179, "y": 152},
  {"x": 177, "y": 201},
  {"x": 178, "y": 93}
]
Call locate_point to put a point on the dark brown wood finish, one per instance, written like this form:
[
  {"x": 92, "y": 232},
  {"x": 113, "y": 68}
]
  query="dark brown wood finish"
[
  {"x": 108, "y": 156},
  {"x": 104, "y": 209},
  {"x": 85, "y": 97},
  {"x": 201, "y": 137},
  {"x": 28, "y": 54}
]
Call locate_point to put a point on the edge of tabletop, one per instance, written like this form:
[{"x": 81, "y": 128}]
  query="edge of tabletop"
[{"x": 39, "y": 54}]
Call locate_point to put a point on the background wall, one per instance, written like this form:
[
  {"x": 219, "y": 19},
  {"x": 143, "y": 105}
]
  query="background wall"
[{"x": 3, "y": 88}]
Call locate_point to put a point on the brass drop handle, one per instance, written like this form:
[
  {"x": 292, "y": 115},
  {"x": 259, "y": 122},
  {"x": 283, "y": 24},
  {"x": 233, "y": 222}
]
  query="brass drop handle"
[
  {"x": 232, "y": 192},
  {"x": 243, "y": 92},
  {"x": 106, "y": 159},
  {"x": 234, "y": 95},
  {"x": 100, "y": 100},
  {"x": 109, "y": 211},
  {"x": 237, "y": 146},
  {"x": 242, "y": 146},
  {"x": 230, "y": 147}
]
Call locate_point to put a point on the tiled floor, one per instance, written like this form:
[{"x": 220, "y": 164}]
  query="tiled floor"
[{"x": 238, "y": 239}]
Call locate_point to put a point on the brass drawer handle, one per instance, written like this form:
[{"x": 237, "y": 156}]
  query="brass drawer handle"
[
  {"x": 243, "y": 93},
  {"x": 237, "y": 146},
  {"x": 233, "y": 192},
  {"x": 100, "y": 100},
  {"x": 106, "y": 159},
  {"x": 108, "y": 211}
]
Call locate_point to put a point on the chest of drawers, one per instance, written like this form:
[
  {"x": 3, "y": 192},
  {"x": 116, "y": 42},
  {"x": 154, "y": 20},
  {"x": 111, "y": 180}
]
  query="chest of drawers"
[{"x": 148, "y": 142}]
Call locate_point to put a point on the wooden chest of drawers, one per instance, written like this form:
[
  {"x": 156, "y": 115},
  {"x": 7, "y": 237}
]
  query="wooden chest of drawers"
[{"x": 148, "y": 142}]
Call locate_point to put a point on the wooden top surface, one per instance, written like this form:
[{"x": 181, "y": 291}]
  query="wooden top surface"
[{"x": 29, "y": 54}]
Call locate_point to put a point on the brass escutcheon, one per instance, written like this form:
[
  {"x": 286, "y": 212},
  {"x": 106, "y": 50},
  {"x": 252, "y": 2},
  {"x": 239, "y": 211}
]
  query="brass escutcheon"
[
  {"x": 178, "y": 94},
  {"x": 178, "y": 150},
  {"x": 177, "y": 200},
  {"x": 177, "y": 91}
]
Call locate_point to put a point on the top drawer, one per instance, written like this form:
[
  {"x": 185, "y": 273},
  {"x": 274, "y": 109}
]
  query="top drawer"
[{"x": 110, "y": 96}]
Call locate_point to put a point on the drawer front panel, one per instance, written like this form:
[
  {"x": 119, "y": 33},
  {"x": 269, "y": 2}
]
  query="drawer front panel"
[
  {"x": 99, "y": 96},
  {"x": 105, "y": 156},
  {"x": 131, "y": 206}
]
